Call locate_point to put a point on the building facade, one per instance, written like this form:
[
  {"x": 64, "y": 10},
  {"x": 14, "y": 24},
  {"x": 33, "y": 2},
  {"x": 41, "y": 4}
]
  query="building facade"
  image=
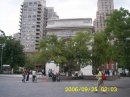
[
  {"x": 32, "y": 24},
  {"x": 104, "y": 8},
  {"x": 67, "y": 28},
  {"x": 51, "y": 14},
  {"x": 17, "y": 36}
]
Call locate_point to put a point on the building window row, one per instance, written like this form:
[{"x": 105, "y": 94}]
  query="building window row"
[
  {"x": 31, "y": 9},
  {"x": 30, "y": 3},
  {"x": 29, "y": 45}
]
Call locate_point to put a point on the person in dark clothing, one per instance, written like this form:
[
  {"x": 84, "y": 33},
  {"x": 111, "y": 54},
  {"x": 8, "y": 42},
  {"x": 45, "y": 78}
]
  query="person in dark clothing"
[
  {"x": 58, "y": 76},
  {"x": 53, "y": 77},
  {"x": 28, "y": 73},
  {"x": 24, "y": 75}
]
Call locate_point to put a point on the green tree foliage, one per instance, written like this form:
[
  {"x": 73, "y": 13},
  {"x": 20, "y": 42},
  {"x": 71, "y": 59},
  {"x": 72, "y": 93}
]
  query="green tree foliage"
[
  {"x": 99, "y": 49},
  {"x": 51, "y": 49},
  {"x": 71, "y": 52},
  {"x": 82, "y": 48},
  {"x": 13, "y": 53},
  {"x": 103, "y": 51},
  {"x": 33, "y": 60},
  {"x": 118, "y": 31}
]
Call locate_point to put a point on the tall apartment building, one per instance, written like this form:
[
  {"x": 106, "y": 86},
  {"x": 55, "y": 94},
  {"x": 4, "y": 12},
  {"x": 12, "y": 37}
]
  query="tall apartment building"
[
  {"x": 51, "y": 14},
  {"x": 33, "y": 23},
  {"x": 17, "y": 36},
  {"x": 104, "y": 8}
]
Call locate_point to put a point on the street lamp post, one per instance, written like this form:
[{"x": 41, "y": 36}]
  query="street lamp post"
[{"x": 2, "y": 46}]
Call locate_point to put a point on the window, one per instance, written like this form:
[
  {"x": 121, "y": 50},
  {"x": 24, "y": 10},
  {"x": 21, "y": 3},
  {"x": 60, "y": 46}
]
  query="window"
[
  {"x": 25, "y": 9},
  {"x": 39, "y": 8},
  {"x": 29, "y": 16},
  {"x": 37, "y": 33},
  {"x": 30, "y": 3},
  {"x": 38, "y": 15},
  {"x": 25, "y": 6},
  {"x": 34, "y": 16},
  {"x": 36, "y": 41},
  {"x": 35, "y": 3},
  {"x": 34, "y": 9},
  {"x": 38, "y": 11},
  {"x": 38, "y": 25},
  {"x": 37, "y": 29},
  {"x": 38, "y": 19},
  {"x": 24, "y": 17},
  {"x": 33, "y": 26},
  {"x": 36, "y": 48},
  {"x": 37, "y": 44},
  {"x": 30, "y": 10},
  {"x": 39, "y": 5},
  {"x": 34, "y": 19}
]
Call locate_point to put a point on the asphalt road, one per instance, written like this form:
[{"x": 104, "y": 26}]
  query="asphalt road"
[{"x": 13, "y": 87}]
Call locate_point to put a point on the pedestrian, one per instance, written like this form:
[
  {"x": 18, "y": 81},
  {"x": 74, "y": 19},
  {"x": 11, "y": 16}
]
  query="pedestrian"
[
  {"x": 53, "y": 76},
  {"x": 28, "y": 73},
  {"x": 43, "y": 72},
  {"x": 33, "y": 76},
  {"x": 101, "y": 77},
  {"x": 12, "y": 70},
  {"x": 24, "y": 75},
  {"x": 58, "y": 76}
]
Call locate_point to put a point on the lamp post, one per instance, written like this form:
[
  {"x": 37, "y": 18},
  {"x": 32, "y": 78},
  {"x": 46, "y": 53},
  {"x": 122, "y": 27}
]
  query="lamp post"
[{"x": 2, "y": 34}]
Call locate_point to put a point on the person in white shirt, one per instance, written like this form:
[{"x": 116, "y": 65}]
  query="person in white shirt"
[{"x": 33, "y": 75}]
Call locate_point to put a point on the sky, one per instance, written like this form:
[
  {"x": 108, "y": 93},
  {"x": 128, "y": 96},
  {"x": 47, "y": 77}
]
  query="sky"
[{"x": 10, "y": 11}]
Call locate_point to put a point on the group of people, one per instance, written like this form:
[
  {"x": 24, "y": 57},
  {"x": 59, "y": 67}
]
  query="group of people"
[
  {"x": 55, "y": 75},
  {"x": 26, "y": 73},
  {"x": 100, "y": 76}
]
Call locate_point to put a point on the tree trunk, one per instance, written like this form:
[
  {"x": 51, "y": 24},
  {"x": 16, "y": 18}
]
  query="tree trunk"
[
  {"x": 69, "y": 70},
  {"x": 70, "y": 63}
]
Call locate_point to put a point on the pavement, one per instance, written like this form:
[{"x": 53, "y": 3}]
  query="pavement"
[
  {"x": 10, "y": 75},
  {"x": 12, "y": 86}
]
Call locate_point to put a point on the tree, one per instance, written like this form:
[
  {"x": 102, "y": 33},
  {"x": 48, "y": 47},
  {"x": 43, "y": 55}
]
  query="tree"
[
  {"x": 50, "y": 48},
  {"x": 99, "y": 49},
  {"x": 82, "y": 48},
  {"x": 70, "y": 52},
  {"x": 13, "y": 53},
  {"x": 33, "y": 60},
  {"x": 118, "y": 31}
]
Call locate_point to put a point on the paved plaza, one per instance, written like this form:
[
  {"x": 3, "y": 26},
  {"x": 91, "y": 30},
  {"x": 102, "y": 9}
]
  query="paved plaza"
[{"x": 11, "y": 86}]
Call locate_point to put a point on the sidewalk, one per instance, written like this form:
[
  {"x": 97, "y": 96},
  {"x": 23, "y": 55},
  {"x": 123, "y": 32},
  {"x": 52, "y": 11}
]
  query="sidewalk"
[
  {"x": 10, "y": 75},
  {"x": 13, "y": 87},
  {"x": 20, "y": 76},
  {"x": 39, "y": 76}
]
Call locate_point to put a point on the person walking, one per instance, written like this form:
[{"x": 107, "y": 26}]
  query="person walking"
[
  {"x": 101, "y": 77},
  {"x": 33, "y": 76},
  {"x": 24, "y": 75},
  {"x": 28, "y": 73}
]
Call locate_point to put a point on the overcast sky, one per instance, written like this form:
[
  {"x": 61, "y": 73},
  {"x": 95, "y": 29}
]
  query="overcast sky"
[{"x": 10, "y": 11}]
